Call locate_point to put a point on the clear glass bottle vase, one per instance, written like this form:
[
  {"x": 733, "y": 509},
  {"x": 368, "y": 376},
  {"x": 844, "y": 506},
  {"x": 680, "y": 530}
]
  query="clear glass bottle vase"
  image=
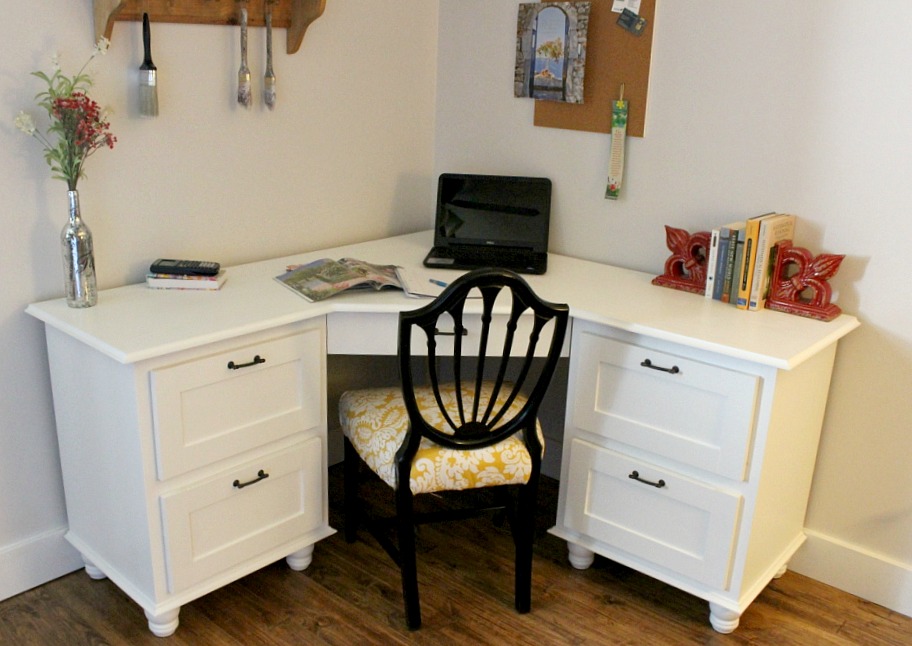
[{"x": 78, "y": 258}]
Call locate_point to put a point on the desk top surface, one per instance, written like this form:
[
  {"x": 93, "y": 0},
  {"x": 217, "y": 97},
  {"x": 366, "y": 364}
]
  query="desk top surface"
[{"x": 134, "y": 323}]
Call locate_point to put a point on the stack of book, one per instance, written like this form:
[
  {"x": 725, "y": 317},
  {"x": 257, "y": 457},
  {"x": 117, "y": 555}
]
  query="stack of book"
[
  {"x": 181, "y": 281},
  {"x": 741, "y": 258}
]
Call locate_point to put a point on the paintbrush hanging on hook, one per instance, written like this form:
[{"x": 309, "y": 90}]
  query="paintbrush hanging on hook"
[
  {"x": 269, "y": 80},
  {"x": 243, "y": 94}
]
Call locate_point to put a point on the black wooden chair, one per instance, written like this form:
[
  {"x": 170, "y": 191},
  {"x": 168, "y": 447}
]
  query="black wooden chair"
[{"x": 467, "y": 419}]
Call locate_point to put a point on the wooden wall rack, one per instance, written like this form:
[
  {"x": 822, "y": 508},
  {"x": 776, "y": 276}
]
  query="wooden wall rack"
[{"x": 293, "y": 15}]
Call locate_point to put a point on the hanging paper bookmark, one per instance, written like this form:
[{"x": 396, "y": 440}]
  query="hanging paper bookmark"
[{"x": 618, "y": 135}]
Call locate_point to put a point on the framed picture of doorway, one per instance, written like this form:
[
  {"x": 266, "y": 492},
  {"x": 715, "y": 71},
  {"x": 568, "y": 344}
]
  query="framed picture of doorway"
[{"x": 551, "y": 42}]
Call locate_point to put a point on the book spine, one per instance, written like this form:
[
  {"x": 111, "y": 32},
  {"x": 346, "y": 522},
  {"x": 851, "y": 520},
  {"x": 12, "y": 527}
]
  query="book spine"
[
  {"x": 737, "y": 264},
  {"x": 174, "y": 281},
  {"x": 721, "y": 260},
  {"x": 774, "y": 253},
  {"x": 182, "y": 284},
  {"x": 181, "y": 277},
  {"x": 759, "y": 264},
  {"x": 711, "y": 262},
  {"x": 183, "y": 288},
  {"x": 776, "y": 230},
  {"x": 751, "y": 233},
  {"x": 730, "y": 250}
]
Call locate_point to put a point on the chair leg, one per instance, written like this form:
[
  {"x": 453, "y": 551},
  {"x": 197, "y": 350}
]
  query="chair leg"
[
  {"x": 351, "y": 485},
  {"x": 407, "y": 560},
  {"x": 524, "y": 532}
]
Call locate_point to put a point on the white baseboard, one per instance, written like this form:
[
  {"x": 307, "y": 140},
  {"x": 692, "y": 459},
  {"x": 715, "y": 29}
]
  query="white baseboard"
[
  {"x": 36, "y": 560},
  {"x": 856, "y": 570}
]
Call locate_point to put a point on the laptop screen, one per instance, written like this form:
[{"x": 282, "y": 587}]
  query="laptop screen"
[{"x": 493, "y": 210}]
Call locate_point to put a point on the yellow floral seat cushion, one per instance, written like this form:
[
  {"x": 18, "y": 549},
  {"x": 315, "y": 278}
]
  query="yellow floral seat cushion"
[{"x": 375, "y": 422}]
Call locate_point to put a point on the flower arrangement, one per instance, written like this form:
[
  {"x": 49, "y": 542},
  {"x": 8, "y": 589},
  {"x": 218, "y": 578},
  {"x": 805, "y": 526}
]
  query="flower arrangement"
[{"x": 78, "y": 123}]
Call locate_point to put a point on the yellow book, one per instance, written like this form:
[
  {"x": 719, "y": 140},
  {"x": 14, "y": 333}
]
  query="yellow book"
[
  {"x": 772, "y": 231},
  {"x": 751, "y": 236}
]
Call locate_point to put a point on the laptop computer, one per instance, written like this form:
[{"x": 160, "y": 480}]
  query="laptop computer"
[{"x": 491, "y": 221}]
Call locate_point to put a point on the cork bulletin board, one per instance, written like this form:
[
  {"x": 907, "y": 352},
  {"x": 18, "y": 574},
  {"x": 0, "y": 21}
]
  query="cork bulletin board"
[{"x": 614, "y": 57}]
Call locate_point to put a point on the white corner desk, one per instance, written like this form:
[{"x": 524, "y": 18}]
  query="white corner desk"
[{"x": 192, "y": 427}]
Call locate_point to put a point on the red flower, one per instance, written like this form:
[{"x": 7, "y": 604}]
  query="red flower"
[{"x": 78, "y": 126}]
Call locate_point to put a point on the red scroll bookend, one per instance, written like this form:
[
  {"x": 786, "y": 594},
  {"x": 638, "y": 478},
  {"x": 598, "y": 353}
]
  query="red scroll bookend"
[
  {"x": 799, "y": 283},
  {"x": 685, "y": 268}
]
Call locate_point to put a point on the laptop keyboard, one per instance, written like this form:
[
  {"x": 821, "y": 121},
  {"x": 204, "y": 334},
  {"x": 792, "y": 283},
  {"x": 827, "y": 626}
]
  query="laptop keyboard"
[
  {"x": 494, "y": 257},
  {"x": 467, "y": 257}
]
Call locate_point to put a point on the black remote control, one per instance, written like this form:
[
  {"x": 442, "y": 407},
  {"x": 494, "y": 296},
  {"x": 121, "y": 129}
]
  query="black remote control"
[{"x": 184, "y": 267}]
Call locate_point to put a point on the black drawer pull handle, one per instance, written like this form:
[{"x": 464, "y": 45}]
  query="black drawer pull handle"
[
  {"x": 646, "y": 363},
  {"x": 257, "y": 360},
  {"x": 462, "y": 331},
  {"x": 261, "y": 475},
  {"x": 635, "y": 475}
]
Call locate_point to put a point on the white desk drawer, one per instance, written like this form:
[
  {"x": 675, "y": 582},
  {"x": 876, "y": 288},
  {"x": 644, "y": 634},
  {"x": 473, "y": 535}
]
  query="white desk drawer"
[
  {"x": 242, "y": 512},
  {"x": 674, "y": 407},
  {"x": 684, "y": 525},
  {"x": 221, "y": 405}
]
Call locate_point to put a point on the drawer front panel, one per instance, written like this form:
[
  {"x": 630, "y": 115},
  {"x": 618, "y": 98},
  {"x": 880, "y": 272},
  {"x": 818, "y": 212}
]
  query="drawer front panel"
[
  {"x": 346, "y": 335},
  {"x": 686, "y": 526},
  {"x": 677, "y": 408},
  {"x": 215, "y": 525},
  {"x": 204, "y": 410}
]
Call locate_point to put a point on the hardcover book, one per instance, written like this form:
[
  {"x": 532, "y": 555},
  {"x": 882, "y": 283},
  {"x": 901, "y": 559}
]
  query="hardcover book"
[
  {"x": 736, "y": 253},
  {"x": 712, "y": 261},
  {"x": 772, "y": 231},
  {"x": 728, "y": 241},
  {"x": 751, "y": 234}
]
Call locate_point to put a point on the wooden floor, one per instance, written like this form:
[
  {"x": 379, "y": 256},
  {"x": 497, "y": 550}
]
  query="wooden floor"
[{"x": 350, "y": 595}]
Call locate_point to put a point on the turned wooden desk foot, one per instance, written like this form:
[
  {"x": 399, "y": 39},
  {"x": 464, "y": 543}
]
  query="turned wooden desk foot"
[
  {"x": 163, "y": 624},
  {"x": 92, "y": 570},
  {"x": 301, "y": 559},
  {"x": 722, "y": 619},
  {"x": 579, "y": 557}
]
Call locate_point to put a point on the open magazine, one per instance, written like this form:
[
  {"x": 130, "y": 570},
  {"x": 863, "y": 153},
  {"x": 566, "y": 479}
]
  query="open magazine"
[{"x": 326, "y": 277}]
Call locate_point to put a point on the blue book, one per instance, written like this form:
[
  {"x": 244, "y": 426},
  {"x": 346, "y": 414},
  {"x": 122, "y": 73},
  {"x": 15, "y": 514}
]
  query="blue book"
[{"x": 721, "y": 255}]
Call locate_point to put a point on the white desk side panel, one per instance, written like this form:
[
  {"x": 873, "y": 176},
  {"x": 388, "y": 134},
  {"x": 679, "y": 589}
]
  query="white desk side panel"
[
  {"x": 105, "y": 462},
  {"x": 789, "y": 454}
]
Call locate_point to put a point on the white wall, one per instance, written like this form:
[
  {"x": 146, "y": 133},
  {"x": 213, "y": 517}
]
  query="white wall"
[
  {"x": 802, "y": 107},
  {"x": 347, "y": 155}
]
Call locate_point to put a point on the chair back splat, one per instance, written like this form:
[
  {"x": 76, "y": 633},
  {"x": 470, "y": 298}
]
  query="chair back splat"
[
  {"x": 474, "y": 428},
  {"x": 474, "y": 366}
]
